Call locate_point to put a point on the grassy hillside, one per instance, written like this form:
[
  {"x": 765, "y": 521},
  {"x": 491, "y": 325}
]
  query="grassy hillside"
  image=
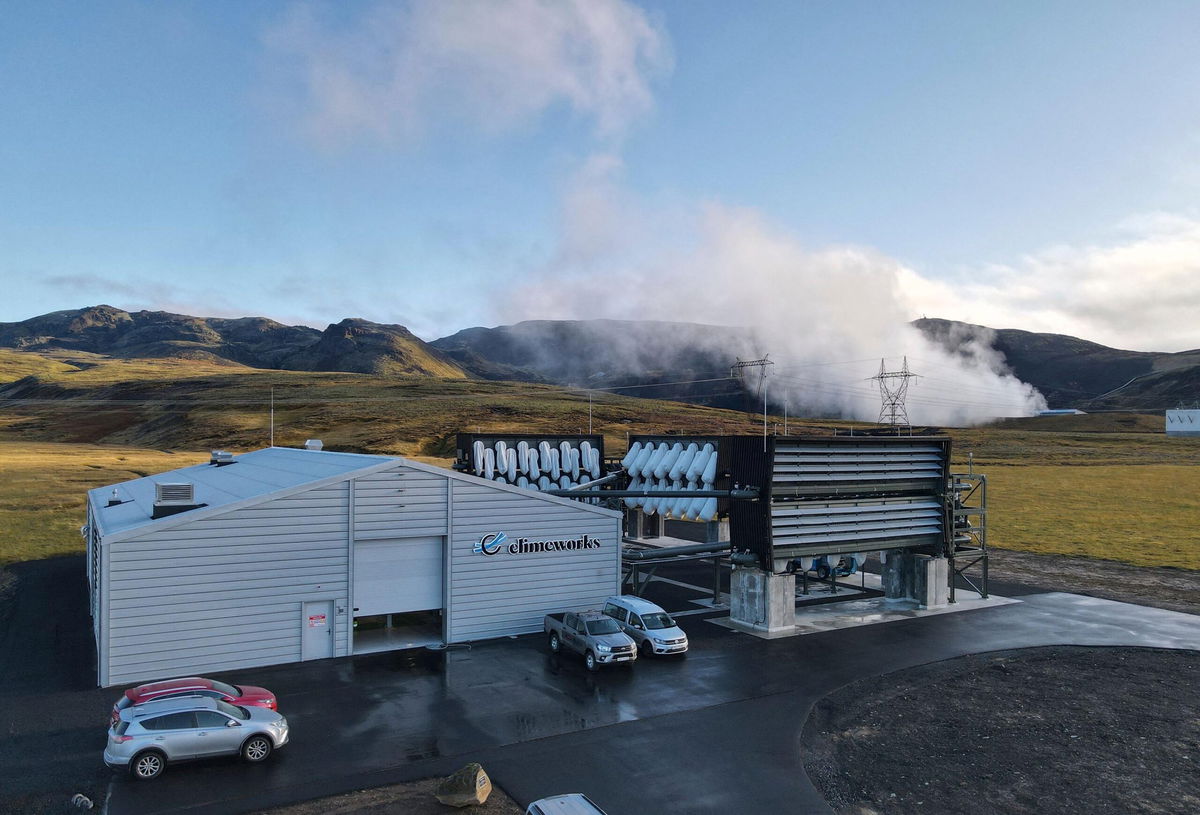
[
  {"x": 184, "y": 404},
  {"x": 42, "y": 491},
  {"x": 1109, "y": 485}
]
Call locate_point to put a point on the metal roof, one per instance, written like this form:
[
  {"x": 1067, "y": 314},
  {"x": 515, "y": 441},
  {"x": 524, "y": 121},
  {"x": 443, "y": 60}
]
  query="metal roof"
[
  {"x": 252, "y": 475},
  {"x": 259, "y": 476}
]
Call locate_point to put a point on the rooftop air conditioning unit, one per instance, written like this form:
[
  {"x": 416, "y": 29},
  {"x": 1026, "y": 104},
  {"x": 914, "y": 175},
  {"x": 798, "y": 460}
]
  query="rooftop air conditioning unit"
[
  {"x": 170, "y": 499},
  {"x": 221, "y": 457},
  {"x": 173, "y": 495},
  {"x": 313, "y": 444}
]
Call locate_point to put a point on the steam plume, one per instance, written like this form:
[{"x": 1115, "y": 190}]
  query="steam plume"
[{"x": 826, "y": 316}]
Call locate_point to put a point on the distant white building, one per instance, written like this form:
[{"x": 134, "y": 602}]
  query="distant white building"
[{"x": 1183, "y": 422}]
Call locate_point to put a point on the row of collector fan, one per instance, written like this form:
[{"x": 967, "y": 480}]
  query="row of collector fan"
[
  {"x": 539, "y": 466},
  {"x": 652, "y": 467},
  {"x": 676, "y": 467}
]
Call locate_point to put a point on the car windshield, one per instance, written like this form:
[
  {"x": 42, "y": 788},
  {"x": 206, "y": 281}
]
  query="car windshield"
[
  {"x": 228, "y": 690},
  {"x": 606, "y": 626},
  {"x": 657, "y": 620},
  {"x": 124, "y": 702},
  {"x": 120, "y": 727},
  {"x": 233, "y": 710}
]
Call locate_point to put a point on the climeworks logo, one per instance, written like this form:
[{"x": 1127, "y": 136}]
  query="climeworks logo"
[
  {"x": 490, "y": 544},
  {"x": 498, "y": 542}
]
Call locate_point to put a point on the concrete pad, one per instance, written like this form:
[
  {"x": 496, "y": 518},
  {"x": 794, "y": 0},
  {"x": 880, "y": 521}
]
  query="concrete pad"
[
  {"x": 661, "y": 542},
  {"x": 866, "y": 611}
]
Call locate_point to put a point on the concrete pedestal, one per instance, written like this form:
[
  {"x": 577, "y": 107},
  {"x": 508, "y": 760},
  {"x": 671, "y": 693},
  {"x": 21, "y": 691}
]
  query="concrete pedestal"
[
  {"x": 909, "y": 576},
  {"x": 762, "y": 601},
  {"x": 716, "y": 531}
]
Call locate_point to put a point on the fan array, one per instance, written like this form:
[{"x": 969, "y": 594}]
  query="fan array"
[
  {"x": 674, "y": 467},
  {"x": 539, "y": 466}
]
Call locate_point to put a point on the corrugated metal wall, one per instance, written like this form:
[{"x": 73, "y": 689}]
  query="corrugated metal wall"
[
  {"x": 401, "y": 501},
  {"x": 225, "y": 591},
  {"x": 495, "y": 595}
]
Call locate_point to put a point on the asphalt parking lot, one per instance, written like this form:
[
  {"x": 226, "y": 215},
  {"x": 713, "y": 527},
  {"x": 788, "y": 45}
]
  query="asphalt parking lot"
[{"x": 715, "y": 732}]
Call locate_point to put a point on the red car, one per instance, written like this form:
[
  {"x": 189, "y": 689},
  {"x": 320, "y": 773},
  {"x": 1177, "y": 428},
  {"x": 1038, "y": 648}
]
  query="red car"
[{"x": 245, "y": 695}]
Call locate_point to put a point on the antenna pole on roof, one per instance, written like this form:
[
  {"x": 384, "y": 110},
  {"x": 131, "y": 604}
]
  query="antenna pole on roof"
[{"x": 272, "y": 415}]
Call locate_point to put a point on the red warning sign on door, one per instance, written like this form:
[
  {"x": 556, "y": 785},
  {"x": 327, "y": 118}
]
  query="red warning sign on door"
[{"x": 316, "y": 620}]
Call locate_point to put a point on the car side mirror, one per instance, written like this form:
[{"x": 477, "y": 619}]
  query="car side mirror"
[
  {"x": 232, "y": 723},
  {"x": 638, "y": 627}
]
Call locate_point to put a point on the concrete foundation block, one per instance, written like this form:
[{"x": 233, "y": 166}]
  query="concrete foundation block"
[
  {"x": 920, "y": 578},
  {"x": 763, "y": 601}
]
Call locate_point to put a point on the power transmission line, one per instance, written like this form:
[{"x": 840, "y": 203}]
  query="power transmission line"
[
  {"x": 738, "y": 370},
  {"x": 893, "y": 388}
]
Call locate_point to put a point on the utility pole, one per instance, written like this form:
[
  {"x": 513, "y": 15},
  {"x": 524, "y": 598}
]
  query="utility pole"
[
  {"x": 737, "y": 371},
  {"x": 893, "y": 388}
]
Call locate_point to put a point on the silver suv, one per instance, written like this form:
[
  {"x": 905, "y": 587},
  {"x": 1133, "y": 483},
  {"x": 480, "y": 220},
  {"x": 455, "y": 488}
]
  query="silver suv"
[
  {"x": 650, "y": 627},
  {"x": 148, "y": 736}
]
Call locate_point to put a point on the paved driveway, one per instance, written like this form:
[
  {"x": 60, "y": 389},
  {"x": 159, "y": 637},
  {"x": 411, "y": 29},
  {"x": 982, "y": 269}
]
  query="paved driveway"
[{"x": 716, "y": 732}]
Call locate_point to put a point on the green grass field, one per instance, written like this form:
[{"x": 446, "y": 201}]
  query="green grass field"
[
  {"x": 1111, "y": 487},
  {"x": 42, "y": 491},
  {"x": 1144, "y": 515}
]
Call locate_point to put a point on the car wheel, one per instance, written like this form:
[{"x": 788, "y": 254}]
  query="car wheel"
[
  {"x": 822, "y": 572},
  {"x": 589, "y": 659},
  {"x": 256, "y": 749},
  {"x": 148, "y": 765},
  {"x": 555, "y": 645},
  {"x": 646, "y": 648}
]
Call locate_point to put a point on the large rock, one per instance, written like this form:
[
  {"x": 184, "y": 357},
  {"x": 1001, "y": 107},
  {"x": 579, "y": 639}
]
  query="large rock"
[{"x": 468, "y": 787}]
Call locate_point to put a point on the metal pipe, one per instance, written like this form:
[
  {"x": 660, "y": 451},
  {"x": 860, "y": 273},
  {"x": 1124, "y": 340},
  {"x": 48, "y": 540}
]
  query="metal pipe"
[
  {"x": 746, "y": 493},
  {"x": 717, "y": 548},
  {"x": 603, "y": 480}
]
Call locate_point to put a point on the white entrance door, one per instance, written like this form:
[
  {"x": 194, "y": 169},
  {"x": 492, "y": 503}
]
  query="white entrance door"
[
  {"x": 397, "y": 575},
  {"x": 317, "y": 638}
]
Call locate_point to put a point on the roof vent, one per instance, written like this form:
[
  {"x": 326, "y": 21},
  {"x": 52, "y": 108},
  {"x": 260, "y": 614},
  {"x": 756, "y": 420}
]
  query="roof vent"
[
  {"x": 170, "y": 499},
  {"x": 313, "y": 444},
  {"x": 221, "y": 457},
  {"x": 174, "y": 494}
]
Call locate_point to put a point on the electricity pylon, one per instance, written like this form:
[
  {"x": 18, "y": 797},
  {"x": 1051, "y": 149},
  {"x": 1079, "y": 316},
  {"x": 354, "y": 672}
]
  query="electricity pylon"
[
  {"x": 893, "y": 388},
  {"x": 737, "y": 371}
]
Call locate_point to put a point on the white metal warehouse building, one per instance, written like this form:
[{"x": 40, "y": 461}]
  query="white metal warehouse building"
[{"x": 267, "y": 558}]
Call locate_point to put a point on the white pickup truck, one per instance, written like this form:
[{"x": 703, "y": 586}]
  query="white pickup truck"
[{"x": 597, "y": 636}]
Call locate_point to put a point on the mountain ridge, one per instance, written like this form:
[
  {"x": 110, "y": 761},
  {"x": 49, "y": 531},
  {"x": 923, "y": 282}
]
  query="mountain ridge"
[
  {"x": 623, "y": 356},
  {"x": 352, "y": 345}
]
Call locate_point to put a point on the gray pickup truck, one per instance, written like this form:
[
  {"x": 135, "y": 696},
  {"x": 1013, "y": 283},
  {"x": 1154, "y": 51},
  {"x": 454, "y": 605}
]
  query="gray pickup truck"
[{"x": 597, "y": 636}]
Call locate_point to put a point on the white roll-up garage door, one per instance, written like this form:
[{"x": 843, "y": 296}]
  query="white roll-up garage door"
[{"x": 397, "y": 574}]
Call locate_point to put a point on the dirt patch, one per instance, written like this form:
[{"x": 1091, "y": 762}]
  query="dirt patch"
[
  {"x": 1161, "y": 587},
  {"x": 1096, "y": 730},
  {"x": 415, "y": 798},
  {"x": 8, "y": 591}
]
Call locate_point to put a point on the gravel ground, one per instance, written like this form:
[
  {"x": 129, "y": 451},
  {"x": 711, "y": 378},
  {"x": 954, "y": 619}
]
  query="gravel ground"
[
  {"x": 416, "y": 798},
  {"x": 1064, "y": 729},
  {"x": 1173, "y": 589}
]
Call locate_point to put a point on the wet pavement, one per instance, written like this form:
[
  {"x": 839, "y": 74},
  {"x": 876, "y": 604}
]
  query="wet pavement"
[{"x": 716, "y": 732}]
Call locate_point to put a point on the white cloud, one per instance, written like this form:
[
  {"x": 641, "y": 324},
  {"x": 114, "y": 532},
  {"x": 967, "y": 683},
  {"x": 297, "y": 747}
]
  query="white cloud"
[
  {"x": 395, "y": 69},
  {"x": 825, "y": 315},
  {"x": 1139, "y": 292}
]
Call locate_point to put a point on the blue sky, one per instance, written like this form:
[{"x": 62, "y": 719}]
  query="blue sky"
[{"x": 1017, "y": 164}]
